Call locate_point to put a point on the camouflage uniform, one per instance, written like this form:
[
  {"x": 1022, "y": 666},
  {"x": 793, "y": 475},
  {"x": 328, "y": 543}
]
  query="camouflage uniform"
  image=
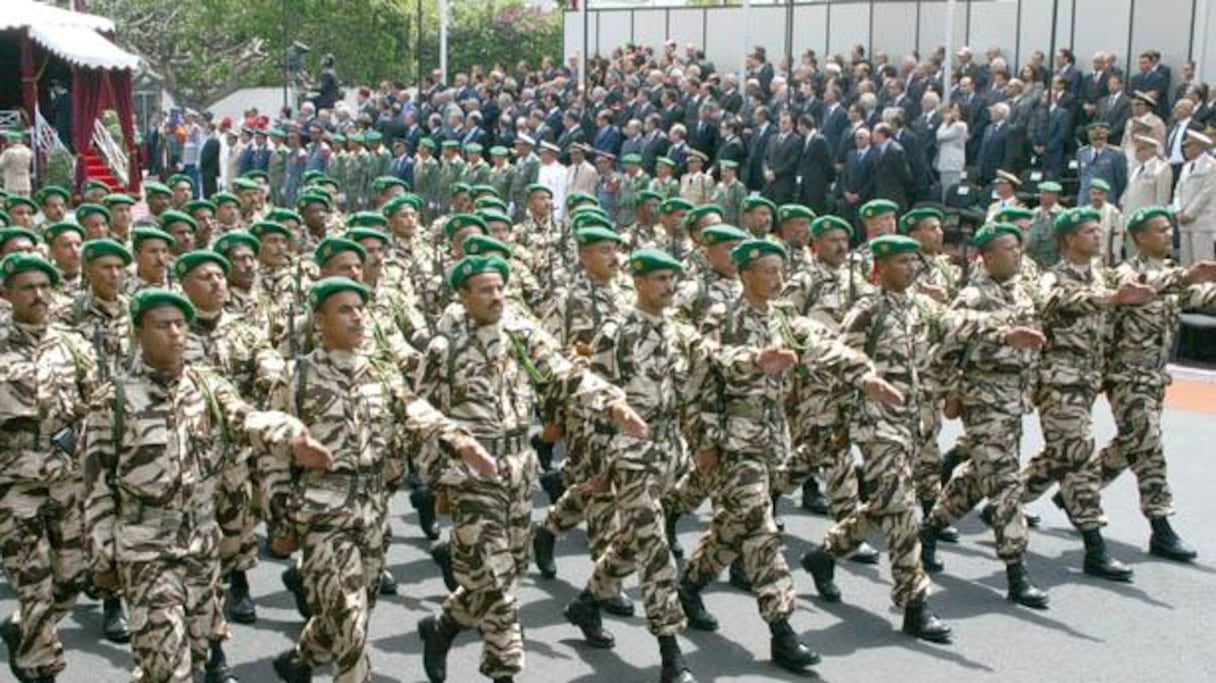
[
  {"x": 730, "y": 198},
  {"x": 627, "y": 196},
  {"x": 524, "y": 174},
  {"x": 106, "y": 325},
  {"x": 668, "y": 187},
  {"x": 426, "y": 181}
]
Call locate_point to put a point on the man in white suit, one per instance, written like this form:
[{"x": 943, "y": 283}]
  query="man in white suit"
[
  {"x": 1195, "y": 200},
  {"x": 581, "y": 175},
  {"x": 1149, "y": 184}
]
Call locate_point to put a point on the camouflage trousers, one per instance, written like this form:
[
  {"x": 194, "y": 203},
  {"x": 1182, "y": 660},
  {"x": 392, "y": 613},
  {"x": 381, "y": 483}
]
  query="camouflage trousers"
[
  {"x": 743, "y": 526},
  {"x": 639, "y": 480},
  {"x": 823, "y": 448},
  {"x": 1068, "y": 457},
  {"x": 993, "y": 472},
  {"x": 927, "y": 469},
  {"x": 174, "y": 614},
  {"x": 42, "y": 546},
  {"x": 236, "y": 513},
  {"x": 891, "y": 508},
  {"x": 491, "y": 541},
  {"x": 1137, "y": 445},
  {"x": 578, "y": 504}
]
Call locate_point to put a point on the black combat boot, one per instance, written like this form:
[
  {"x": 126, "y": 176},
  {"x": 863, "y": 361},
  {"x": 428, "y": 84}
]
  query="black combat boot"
[
  {"x": 1099, "y": 563},
  {"x": 928, "y": 548},
  {"x": 813, "y": 500},
  {"x": 865, "y": 554},
  {"x": 437, "y": 634},
  {"x": 788, "y": 652},
  {"x": 388, "y": 582},
  {"x": 217, "y": 670},
  {"x": 618, "y": 605},
  {"x": 543, "y": 542},
  {"x": 673, "y": 540},
  {"x": 777, "y": 519},
  {"x": 544, "y": 453},
  {"x": 1021, "y": 590},
  {"x": 675, "y": 669},
  {"x": 423, "y": 501},
  {"x": 1058, "y": 501},
  {"x": 584, "y": 613},
  {"x": 822, "y": 568},
  {"x": 945, "y": 534},
  {"x": 10, "y": 633},
  {"x": 865, "y": 489},
  {"x": 290, "y": 667},
  {"x": 295, "y": 585},
  {"x": 738, "y": 577},
  {"x": 1165, "y": 543},
  {"x": 442, "y": 555},
  {"x": 694, "y": 608},
  {"x": 114, "y": 620},
  {"x": 551, "y": 484},
  {"x": 921, "y": 622},
  {"x": 237, "y": 604}
]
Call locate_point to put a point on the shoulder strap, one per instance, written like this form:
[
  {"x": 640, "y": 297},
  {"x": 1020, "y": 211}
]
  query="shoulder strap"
[
  {"x": 119, "y": 409},
  {"x": 301, "y": 385},
  {"x": 876, "y": 326}
]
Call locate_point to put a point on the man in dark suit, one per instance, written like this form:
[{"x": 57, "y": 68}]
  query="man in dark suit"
[
  {"x": 855, "y": 185},
  {"x": 209, "y": 162},
  {"x": 413, "y": 132},
  {"x": 572, "y": 134},
  {"x": 816, "y": 166},
  {"x": 1066, "y": 68},
  {"x": 607, "y": 136},
  {"x": 760, "y": 69},
  {"x": 1152, "y": 79},
  {"x": 703, "y": 135},
  {"x": 914, "y": 151},
  {"x": 654, "y": 143},
  {"x": 925, "y": 128},
  {"x": 1051, "y": 140},
  {"x": 1116, "y": 108},
  {"x": 994, "y": 149},
  {"x": 977, "y": 116},
  {"x": 781, "y": 162},
  {"x": 757, "y": 145},
  {"x": 892, "y": 173},
  {"x": 1095, "y": 87},
  {"x": 835, "y": 118},
  {"x": 732, "y": 147}
]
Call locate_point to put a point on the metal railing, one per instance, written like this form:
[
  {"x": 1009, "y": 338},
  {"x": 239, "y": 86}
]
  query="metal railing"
[{"x": 109, "y": 150}]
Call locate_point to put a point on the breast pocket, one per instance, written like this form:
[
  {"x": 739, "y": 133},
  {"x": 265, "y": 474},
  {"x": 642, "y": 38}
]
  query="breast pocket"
[{"x": 149, "y": 470}]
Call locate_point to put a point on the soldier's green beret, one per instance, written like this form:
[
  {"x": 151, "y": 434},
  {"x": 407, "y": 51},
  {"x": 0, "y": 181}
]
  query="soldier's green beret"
[
  {"x": 911, "y": 219},
  {"x": 1071, "y": 219},
  {"x": 1050, "y": 186},
  {"x": 386, "y": 181},
  {"x": 13, "y": 232},
  {"x": 224, "y": 197},
  {"x": 154, "y": 297},
  {"x": 143, "y": 234},
  {"x": 588, "y": 208},
  {"x": 88, "y": 209},
  {"x": 196, "y": 204},
  {"x": 313, "y": 197},
  {"x": 1099, "y": 184},
  {"x": 262, "y": 228},
  {"x": 728, "y": 163},
  {"x": 581, "y": 198},
  {"x": 53, "y": 231},
  {"x": 484, "y": 244},
  {"x": 327, "y": 287},
  {"x": 479, "y": 191},
  {"x": 537, "y": 187},
  {"x": 476, "y": 264},
  {"x": 484, "y": 203},
  {"x": 991, "y": 231},
  {"x": 394, "y": 205},
  {"x": 788, "y": 211},
  {"x": 326, "y": 185},
  {"x": 358, "y": 234},
  {"x": 699, "y": 212},
  {"x": 18, "y": 262},
  {"x": 666, "y": 161},
  {"x": 256, "y": 174},
  {"x": 49, "y": 190},
  {"x": 156, "y": 188},
  {"x": 193, "y": 259},
  {"x": 281, "y": 215},
  {"x": 631, "y": 158},
  {"x": 1009, "y": 214},
  {"x": 890, "y": 245},
  {"x": 595, "y": 234},
  {"x": 752, "y": 249},
  {"x": 20, "y": 199},
  {"x": 338, "y": 137},
  {"x": 460, "y": 221},
  {"x": 427, "y": 143},
  {"x": 1140, "y": 217},
  {"x": 721, "y": 232},
  {"x": 451, "y": 144},
  {"x": 590, "y": 219},
  {"x": 878, "y": 207},
  {"x": 117, "y": 198},
  {"x": 459, "y": 188},
  {"x": 497, "y": 151},
  {"x": 675, "y": 204},
  {"x": 171, "y": 216},
  {"x": 372, "y": 136},
  {"x": 231, "y": 240},
  {"x": 179, "y": 178},
  {"x": 312, "y": 175},
  {"x": 750, "y": 203},
  {"x": 825, "y": 223},
  {"x": 245, "y": 184},
  {"x": 491, "y": 215},
  {"x": 278, "y": 133},
  {"x": 105, "y": 246},
  {"x": 472, "y": 148},
  {"x": 95, "y": 184},
  {"x": 365, "y": 219},
  {"x": 650, "y": 195},
  {"x": 332, "y": 246},
  {"x": 645, "y": 261}
]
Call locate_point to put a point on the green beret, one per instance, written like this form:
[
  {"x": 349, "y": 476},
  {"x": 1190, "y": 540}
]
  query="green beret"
[
  {"x": 581, "y": 198},
  {"x": 1140, "y": 217},
  {"x": 721, "y": 232},
  {"x": 788, "y": 211},
  {"x": 753, "y": 249},
  {"x": 53, "y": 231},
  {"x": 648, "y": 195},
  {"x": 666, "y": 161},
  {"x": 332, "y": 246},
  {"x": 386, "y": 181},
  {"x": 104, "y": 246},
  {"x": 645, "y": 261},
  {"x": 499, "y": 151},
  {"x": 1050, "y": 186},
  {"x": 756, "y": 202},
  {"x": 537, "y": 187},
  {"x": 262, "y": 228},
  {"x": 15, "y": 199},
  {"x": 18, "y": 262},
  {"x": 491, "y": 215},
  {"x": 483, "y": 244},
  {"x": 590, "y": 219},
  {"x": 1071, "y": 219},
  {"x": 358, "y": 234},
  {"x": 326, "y": 287},
  {"x": 676, "y": 204},
  {"x": 179, "y": 178},
  {"x": 280, "y": 215},
  {"x": 394, "y": 205},
  {"x": 256, "y": 174},
  {"x": 479, "y": 191},
  {"x": 878, "y": 207},
  {"x": 373, "y": 136},
  {"x": 472, "y": 148},
  {"x": 702, "y": 211},
  {"x": 338, "y": 137},
  {"x": 230, "y": 240},
  {"x": 472, "y": 265},
  {"x": 825, "y": 223},
  {"x": 139, "y": 235},
  {"x": 460, "y": 221},
  {"x": 49, "y": 190},
  {"x": 117, "y": 198},
  {"x": 154, "y": 297},
  {"x": 1099, "y": 184},
  {"x": 588, "y": 208},
  {"x": 991, "y": 231},
  {"x": 313, "y": 198},
  {"x": 1010, "y": 214},
  {"x": 728, "y": 163},
  {"x": 459, "y": 188},
  {"x": 88, "y": 209},
  {"x": 487, "y": 203},
  {"x": 312, "y": 175},
  {"x": 95, "y": 184},
  {"x": 156, "y": 188},
  {"x": 364, "y": 219},
  {"x": 911, "y": 219},
  {"x": 196, "y": 204},
  {"x": 278, "y": 133},
  {"x": 325, "y": 184},
  {"x": 193, "y": 259},
  {"x": 451, "y": 144},
  {"x": 595, "y": 234},
  {"x": 242, "y": 184},
  {"x": 171, "y": 216},
  {"x": 13, "y": 232},
  {"x": 890, "y": 245},
  {"x": 427, "y": 142},
  {"x": 221, "y": 198},
  {"x": 632, "y": 158}
]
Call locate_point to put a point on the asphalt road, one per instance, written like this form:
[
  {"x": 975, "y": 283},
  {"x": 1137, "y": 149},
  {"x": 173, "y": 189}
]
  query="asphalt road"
[{"x": 1158, "y": 628}]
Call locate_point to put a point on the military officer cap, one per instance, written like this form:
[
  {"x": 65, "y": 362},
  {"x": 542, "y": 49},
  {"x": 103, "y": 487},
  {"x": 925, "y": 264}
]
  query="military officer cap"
[
  {"x": 788, "y": 211},
  {"x": 460, "y": 221},
  {"x": 332, "y": 246},
  {"x": 1098, "y": 125},
  {"x": 911, "y": 219},
  {"x": 193, "y": 259},
  {"x": 154, "y": 297},
  {"x": 1099, "y": 184},
  {"x": 499, "y": 151},
  {"x": 20, "y": 199},
  {"x": 477, "y": 264},
  {"x": 728, "y": 163},
  {"x": 142, "y": 234},
  {"x": 256, "y": 174},
  {"x": 196, "y": 204},
  {"x": 52, "y": 232},
  {"x": 675, "y": 204},
  {"x": 105, "y": 246},
  {"x": 645, "y": 261},
  {"x": 580, "y": 198},
  {"x": 537, "y": 187},
  {"x": 365, "y": 219},
  {"x": 594, "y": 234},
  {"x": 386, "y": 181},
  {"x": 479, "y": 191},
  {"x": 890, "y": 245},
  {"x": 18, "y": 262},
  {"x": 750, "y": 203},
  {"x": 493, "y": 215},
  {"x": 1072, "y": 219},
  {"x": 650, "y": 195},
  {"x": 451, "y": 144},
  {"x": 667, "y": 161},
  {"x": 753, "y": 249},
  {"x": 525, "y": 139},
  {"x": 546, "y": 146},
  {"x": 698, "y": 155},
  {"x": 1003, "y": 176},
  {"x": 878, "y": 207},
  {"x": 327, "y": 287},
  {"x": 95, "y": 184},
  {"x": 472, "y": 148},
  {"x": 280, "y": 215},
  {"x": 1009, "y": 214},
  {"x": 991, "y": 231},
  {"x": 485, "y": 203},
  {"x": 12, "y": 233},
  {"x": 50, "y": 190},
  {"x": 459, "y": 188},
  {"x": 394, "y": 205},
  {"x": 721, "y": 232},
  {"x": 1050, "y": 186},
  {"x": 1147, "y": 140},
  {"x": 1197, "y": 138},
  {"x": 222, "y": 198},
  {"x": 313, "y": 197},
  {"x": 1144, "y": 97},
  {"x": 427, "y": 143},
  {"x": 172, "y": 216},
  {"x": 358, "y": 234},
  {"x": 825, "y": 223},
  {"x": 88, "y": 209},
  {"x": 632, "y": 158},
  {"x": 230, "y": 240},
  {"x": 245, "y": 184},
  {"x": 484, "y": 244},
  {"x": 589, "y": 219},
  {"x": 1140, "y": 217},
  {"x": 156, "y": 188},
  {"x": 117, "y": 198},
  {"x": 699, "y": 212}
]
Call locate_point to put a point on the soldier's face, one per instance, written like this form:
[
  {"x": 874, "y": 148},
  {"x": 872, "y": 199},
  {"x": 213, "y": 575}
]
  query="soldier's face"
[
  {"x": 1003, "y": 259},
  {"x": 181, "y": 193},
  {"x": 30, "y": 295},
  {"x": 275, "y": 251},
  {"x": 403, "y": 221},
  {"x": 500, "y": 231},
  {"x": 483, "y": 297},
  {"x": 206, "y": 224},
  {"x": 375, "y": 259},
  {"x": 244, "y": 266},
  {"x": 157, "y": 203},
  {"x": 929, "y": 234},
  {"x": 65, "y": 252},
  {"x": 719, "y": 258},
  {"x": 184, "y": 234},
  {"x": 765, "y": 277},
  {"x": 152, "y": 259},
  {"x": 880, "y": 225},
  {"x": 207, "y": 287},
  {"x": 761, "y": 221},
  {"x": 898, "y": 271},
  {"x": 105, "y": 276},
  {"x": 53, "y": 208},
  {"x": 340, "y": 320},
  {"x": 1085, "y": 241},
  {"x": 344, "y": 264},
  {"x": 461, "y": 235},
  {"x": 22, "y": 215},
  {"x": 162, "y": 337},
  {"x": 796, "y": 232},
  {"x": 227, "y": 213},
  {"x": 655, "y": 290},
  {"x": 21, "y": 244},
  {"x": 1156, "y": 239},
  {"x": 314, "y": 216},
  {"x": 600, "y": 260},
  {"x": 95, "y": 226},
  {"x": 539, "y": 203},
  {"x": 831, "y": 247}
]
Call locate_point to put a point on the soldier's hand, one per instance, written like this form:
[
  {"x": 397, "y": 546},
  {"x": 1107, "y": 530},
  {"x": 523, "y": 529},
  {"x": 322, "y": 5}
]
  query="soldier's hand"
[
  {"x": 1203, "y": 271},
  {"x": 475, "y": 456},
  {"x": 935, "y": 292},
  {"x": 776, "y": 360},
  {"x": 952, "y": 408},
  {"x": 105, "y": 581},
  {"x": 1134, "y": 293},
  {"x": 596, "y": 484},
  {"x": 310, "y": 453},
  {"x": 551, "y": 433},
  {"x": 881, "y": 391},
  {"x": 629, "y": 421},
  {"x": 707, "y": 459},
  {"x": 1025, "y": 338}
]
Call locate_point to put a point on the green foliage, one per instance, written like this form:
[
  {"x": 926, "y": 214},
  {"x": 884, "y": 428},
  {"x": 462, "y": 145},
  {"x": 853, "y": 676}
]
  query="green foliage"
[{"x": 60, "y": 168}]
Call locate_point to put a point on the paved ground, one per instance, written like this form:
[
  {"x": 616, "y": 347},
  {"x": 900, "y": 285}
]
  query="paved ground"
[{"x": 1155, "y": 629}]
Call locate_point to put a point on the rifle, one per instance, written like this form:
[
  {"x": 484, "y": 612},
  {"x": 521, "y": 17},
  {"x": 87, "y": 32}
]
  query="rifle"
[{"x": 99, "y": 347}]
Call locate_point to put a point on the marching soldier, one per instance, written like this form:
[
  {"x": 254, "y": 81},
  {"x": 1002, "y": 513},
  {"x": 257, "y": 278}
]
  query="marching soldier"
[
  {"x": 523, "y": 181},
  {"x": 152, "y": 247},
  {"x": 64, "y": 242},
  {"x": 757, "y": 215}
]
